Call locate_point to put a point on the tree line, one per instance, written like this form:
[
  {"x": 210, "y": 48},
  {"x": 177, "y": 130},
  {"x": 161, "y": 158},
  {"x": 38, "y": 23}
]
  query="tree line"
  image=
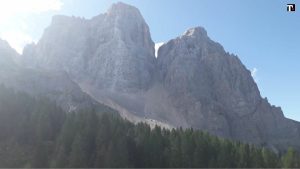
[{"x": 34, "y": 132}]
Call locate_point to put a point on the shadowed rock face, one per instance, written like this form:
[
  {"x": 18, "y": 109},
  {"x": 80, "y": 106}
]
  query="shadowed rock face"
[
  {"x": 217, "y": 93},
  {"x": 202, "y": 77},
  {"x": 192, "y": 83}
]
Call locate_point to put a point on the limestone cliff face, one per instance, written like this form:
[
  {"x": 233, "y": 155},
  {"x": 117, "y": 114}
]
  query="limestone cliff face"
[
  {"x": 215, "y": 92},
  {"x": 111, "y": 51},
  {"x": 193, "y": 65},
  {"x": 202, "y": 77},
  {"x": 54, "y": 85},
  {"x": 193, "y": 82}
]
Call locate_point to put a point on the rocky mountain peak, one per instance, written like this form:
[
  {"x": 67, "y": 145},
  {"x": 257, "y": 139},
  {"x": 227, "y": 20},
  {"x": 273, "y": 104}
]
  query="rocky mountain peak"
[
  {"x": 61, "y": 19},
  {"x": 3, "y": 43},
  {"x": 193, "y": 82},
  {"x": 4, "y": 46},
  {"x": 196, "y": 32},
  {"x": 122, "y": 9},
  {"x": 129, "y": 25},
  {"x": 7, "y": 54},
  {"x": 112, "y": 51}
]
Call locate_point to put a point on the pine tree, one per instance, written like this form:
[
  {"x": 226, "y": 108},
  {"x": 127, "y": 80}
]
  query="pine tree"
[
  {"x": 290, "y": 159},
  {"x": 36, "y": 133},
  {"x": 270, "y": 159}
]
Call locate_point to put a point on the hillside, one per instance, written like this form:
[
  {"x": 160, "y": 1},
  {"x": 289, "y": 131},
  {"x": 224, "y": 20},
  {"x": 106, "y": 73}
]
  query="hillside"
[{"x": 36, "y": 133}]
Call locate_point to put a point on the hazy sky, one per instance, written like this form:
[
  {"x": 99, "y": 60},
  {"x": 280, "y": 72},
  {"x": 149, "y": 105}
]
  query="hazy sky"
[{"x": 262, "y": 33}]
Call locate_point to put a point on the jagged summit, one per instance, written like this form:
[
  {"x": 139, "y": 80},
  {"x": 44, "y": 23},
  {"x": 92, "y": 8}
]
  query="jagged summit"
[
  {"x": 196, "y": 32},
  {"x": 193, "y": 82},
  {"x": 62, "y": 19},
  {"x": 8, "y": 55},
  {"x": 113, "y": 51},
  {"x": 3, "y": 43},
  {"x": 122, "y": 9}
]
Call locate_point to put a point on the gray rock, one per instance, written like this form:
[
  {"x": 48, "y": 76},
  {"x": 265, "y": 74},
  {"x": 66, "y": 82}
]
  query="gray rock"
[
  {"x": 193, "y": 82},
  {"x": 55, "y": 85},
  {"x": 7, "y": 55},
  {"x": 216, "y": 93},
  {"x": 111, "y": 51}
]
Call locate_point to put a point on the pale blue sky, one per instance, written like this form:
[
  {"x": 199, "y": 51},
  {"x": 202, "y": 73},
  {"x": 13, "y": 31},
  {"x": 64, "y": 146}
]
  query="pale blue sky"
[{"x": 262, "y": 33}]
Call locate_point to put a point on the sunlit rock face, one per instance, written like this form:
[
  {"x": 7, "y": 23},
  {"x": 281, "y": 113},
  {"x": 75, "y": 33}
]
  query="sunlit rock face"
[
  {"x": 53, "y": 85},
  {"x": 112, "y": 51},
  {"x": 193, "y": 82}
]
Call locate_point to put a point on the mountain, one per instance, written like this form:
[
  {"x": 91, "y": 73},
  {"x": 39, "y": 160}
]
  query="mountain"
[
  {"x": 54, "y": 85},
  {"x": 111, "y": 57},
  {"x": 111, "y": 51},
  {"x": 7, "y": 55},
  {"x": 193, "y": 82},
  {"x": 216, "y": 92},
  {"x": 36, "y": 133}
]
